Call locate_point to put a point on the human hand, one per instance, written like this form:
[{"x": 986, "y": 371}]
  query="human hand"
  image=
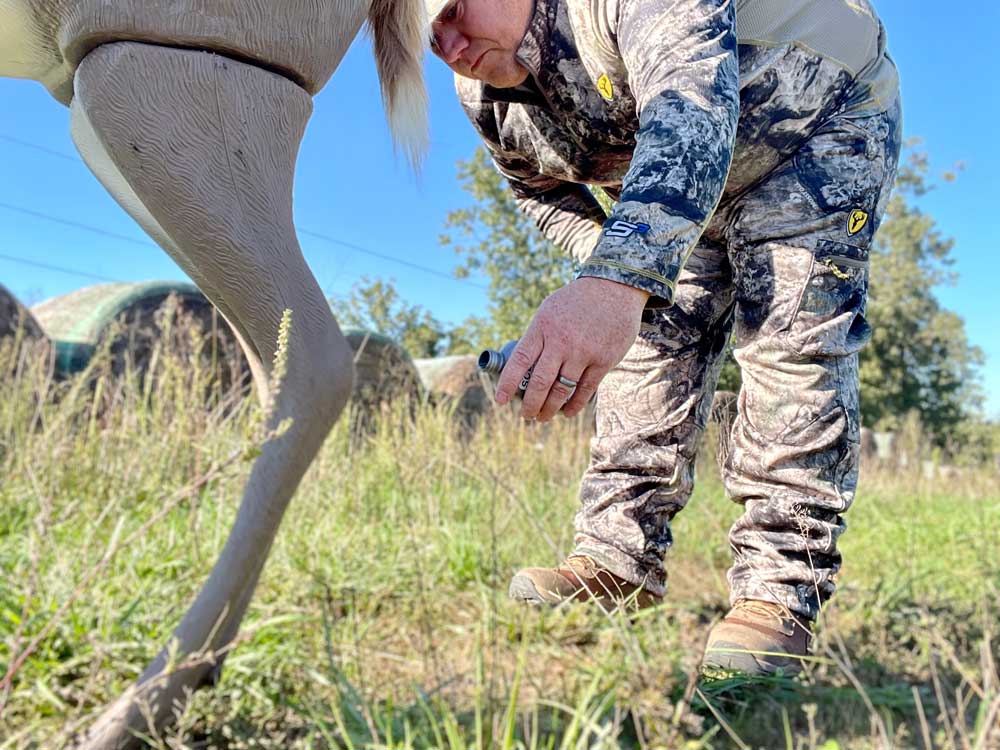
[{"x": 580, "y": 332}]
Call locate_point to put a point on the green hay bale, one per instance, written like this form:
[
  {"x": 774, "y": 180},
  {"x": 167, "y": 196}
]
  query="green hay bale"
[
  {"x": 457, "y": 381},
  {"x": 135, "y": 316},
  {"x": 384, "y": 374},
  {"x": 15, "y": 318},
  {"x": 20, "y": 329}
]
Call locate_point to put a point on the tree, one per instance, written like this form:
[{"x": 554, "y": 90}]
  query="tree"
[
  {"x": 375, "y": 305},
  {"x": 919, "y": 359},
  {"x": 496, "y": 239}
]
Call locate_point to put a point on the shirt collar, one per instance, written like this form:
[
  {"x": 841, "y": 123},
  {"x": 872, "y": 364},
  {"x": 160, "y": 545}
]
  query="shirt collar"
[{"x": 529, "y": 52}]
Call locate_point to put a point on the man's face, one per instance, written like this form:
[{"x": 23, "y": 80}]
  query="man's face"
[{"x": 479, "y": 38}]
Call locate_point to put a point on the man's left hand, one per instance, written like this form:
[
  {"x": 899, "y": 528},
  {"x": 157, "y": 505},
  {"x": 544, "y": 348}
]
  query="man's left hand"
[{"x": 580, "y": 332}]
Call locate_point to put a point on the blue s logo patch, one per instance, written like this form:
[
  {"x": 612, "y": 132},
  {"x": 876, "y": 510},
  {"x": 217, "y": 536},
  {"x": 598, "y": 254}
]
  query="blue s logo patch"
[{"x": 623, "y": 229}]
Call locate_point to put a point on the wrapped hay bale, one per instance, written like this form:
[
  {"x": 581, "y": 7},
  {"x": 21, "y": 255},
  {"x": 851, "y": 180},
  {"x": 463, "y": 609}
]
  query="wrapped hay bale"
[
  {"x": 869, "y": 448},
  {"x": 18, "y": 328},
  {"x": 135, "y": 317},
  {"x": 457, "y": 380},
  {"x": 384, "y": 374},
  {"x": 724, "y": 409}
]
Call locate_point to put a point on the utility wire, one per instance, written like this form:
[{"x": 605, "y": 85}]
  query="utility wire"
[
  {"x": 37, "y": 147},
  {"x": 60, "y": 269},
  {"x": 76, "y": 225},
  {"x": 366, "y": 251},
  {"x": 146, "y": 243}
]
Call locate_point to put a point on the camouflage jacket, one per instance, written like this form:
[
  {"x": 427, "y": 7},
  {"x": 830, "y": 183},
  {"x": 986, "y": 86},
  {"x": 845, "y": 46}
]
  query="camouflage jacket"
[{"x": 672, "y": 107}]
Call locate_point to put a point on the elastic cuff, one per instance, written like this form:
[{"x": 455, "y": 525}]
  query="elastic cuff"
[
  {"x": 660, "y": 289},
  {"x": 622, "y": 565},
  {"x": 795, "y": 599}
]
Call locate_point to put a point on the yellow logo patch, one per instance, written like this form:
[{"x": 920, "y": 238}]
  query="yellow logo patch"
[
  {"x": 604, "y": 86},
  {"x": 856, "y": 221}
]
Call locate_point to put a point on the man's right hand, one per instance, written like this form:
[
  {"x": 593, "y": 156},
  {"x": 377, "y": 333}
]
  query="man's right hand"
[{"x": 580, "y": 332}]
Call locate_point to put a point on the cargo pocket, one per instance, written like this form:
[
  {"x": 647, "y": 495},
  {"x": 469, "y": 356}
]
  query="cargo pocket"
[
  {"x": 842, "y": 168},
  {"x": 830, "y": 319}
]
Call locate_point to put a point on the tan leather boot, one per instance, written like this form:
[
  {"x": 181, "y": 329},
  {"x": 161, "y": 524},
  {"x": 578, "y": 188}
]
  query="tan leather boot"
[
  {"x": 578, "y": 578},
  {"x": 758, "y": 638}
]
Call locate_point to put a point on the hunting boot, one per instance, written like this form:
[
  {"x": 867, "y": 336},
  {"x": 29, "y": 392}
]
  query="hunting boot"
[
  {"x": 758, "y": 638},
  {"x": 578, "y": 578}
]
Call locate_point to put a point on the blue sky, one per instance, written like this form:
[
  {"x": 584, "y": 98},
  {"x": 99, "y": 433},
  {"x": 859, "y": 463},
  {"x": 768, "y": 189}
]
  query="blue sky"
[{"x": 351, "y": 188}]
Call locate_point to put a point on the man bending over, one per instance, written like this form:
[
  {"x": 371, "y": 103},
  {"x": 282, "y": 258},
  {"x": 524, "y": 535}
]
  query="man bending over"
[{"x": 750, "y": 146}]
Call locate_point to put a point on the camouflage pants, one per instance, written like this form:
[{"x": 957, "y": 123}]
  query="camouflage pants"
[{"x": 786, "y": 262}]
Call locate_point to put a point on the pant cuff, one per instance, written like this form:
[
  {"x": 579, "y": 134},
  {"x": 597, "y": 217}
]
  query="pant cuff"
[
  {"x": 622, "y": 565},
  {"x": 796, "y": 599}
]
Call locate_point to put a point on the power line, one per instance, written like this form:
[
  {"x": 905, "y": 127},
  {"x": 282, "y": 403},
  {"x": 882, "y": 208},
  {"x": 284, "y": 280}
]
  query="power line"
[
  {"x": 76, "y": 225},
  {"x": 146, "y": 243},
  {"x": 59, "y": 269},
  {"x": 38, "y": 147},
  {"x": 400, "y": 261}
]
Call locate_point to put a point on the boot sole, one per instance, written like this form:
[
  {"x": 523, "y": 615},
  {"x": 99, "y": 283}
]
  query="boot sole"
[
  {"x": 523, "y": 589},
  {"x": 730, "y": 657}
]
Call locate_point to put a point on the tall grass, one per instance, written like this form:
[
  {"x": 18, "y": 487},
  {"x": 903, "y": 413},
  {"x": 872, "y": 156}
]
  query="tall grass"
[{"x": 382, "y": 618}]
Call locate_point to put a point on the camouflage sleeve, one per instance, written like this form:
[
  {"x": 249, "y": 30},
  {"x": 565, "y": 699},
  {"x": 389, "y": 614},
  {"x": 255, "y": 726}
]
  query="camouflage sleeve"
[
  {"x": 569, "y": 217},
  {"x": 682, "y": 68},
  {"x": 567, "y": 214}
]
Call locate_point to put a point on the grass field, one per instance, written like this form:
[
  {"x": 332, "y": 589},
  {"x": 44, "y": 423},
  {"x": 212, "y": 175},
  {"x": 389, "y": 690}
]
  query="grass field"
[{"x": 382, "y": 618}]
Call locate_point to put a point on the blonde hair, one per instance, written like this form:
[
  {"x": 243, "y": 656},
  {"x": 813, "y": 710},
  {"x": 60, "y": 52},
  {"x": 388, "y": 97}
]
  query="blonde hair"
[
  {"x": 434, "y": 7},
  {"x": 400, "y": 32}
]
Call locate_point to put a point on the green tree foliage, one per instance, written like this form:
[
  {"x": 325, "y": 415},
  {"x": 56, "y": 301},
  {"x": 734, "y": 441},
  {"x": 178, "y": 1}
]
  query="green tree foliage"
[
  {"x": 919, "y": 359},
  {"x": 495, "y": 239},
  {"x": 375, "y": 305},
  {"x": 730, "y": 378}
]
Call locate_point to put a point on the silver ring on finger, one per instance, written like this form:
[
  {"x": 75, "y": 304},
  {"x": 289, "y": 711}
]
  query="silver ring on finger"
[{"x": 567, "y": 382}]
